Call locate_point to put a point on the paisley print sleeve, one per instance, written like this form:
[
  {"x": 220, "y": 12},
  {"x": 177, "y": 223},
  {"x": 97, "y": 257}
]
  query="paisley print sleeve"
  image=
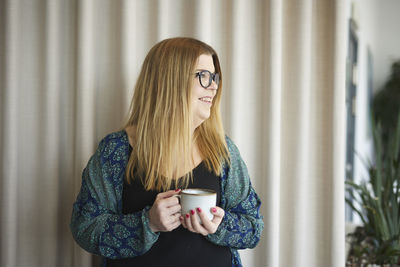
[
  {"x": 242, "y": 224},
  {"x": 97, "y": 223}
]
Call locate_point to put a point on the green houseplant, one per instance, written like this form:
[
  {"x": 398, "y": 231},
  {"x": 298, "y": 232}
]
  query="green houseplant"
[
  {"x": 377, "y": 202},
  {"x": 386, "y": 103}
]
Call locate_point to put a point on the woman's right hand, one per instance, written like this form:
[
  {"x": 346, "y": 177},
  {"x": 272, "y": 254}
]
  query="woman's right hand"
[{"x": 165, "y": 212}]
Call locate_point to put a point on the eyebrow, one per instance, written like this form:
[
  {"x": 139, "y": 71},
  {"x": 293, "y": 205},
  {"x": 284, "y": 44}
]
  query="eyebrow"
[{"x": 206, "y": 70}]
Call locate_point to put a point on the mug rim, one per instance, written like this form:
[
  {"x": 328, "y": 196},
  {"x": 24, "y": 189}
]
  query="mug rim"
[{"x": 206, "y": 192}]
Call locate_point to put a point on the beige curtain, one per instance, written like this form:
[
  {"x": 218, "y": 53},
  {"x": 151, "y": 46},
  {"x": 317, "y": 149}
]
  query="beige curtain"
[{"x": 67, "y": 71}]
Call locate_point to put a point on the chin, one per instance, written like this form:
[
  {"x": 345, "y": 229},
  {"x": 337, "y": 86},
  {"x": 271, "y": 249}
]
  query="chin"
[
  {"x": 205, "y": 117},
  {"x": 199, "y": 121}
]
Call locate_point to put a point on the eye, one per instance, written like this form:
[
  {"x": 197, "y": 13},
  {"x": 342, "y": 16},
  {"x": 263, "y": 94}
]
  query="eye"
[{"x": 203, "y": 74}]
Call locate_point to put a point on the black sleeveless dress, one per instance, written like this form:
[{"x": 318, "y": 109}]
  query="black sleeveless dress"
[{"x": 179, "y": 247}]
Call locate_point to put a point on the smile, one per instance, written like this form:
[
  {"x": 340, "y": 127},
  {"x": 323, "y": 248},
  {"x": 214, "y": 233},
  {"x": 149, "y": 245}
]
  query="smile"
[{"x": 206, "y": 99}]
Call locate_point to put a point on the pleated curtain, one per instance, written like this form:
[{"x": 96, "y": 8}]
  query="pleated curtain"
[{"x": 67, "y": 72}]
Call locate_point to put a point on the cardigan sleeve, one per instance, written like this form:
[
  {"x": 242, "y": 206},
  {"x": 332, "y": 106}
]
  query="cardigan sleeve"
[
  {"x": 242, "y": 224},
  {"x": 97, "y": 223}
]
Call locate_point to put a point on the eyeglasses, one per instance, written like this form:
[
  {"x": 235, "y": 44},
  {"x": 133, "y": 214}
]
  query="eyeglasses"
[{"x": 206, "y": 78}]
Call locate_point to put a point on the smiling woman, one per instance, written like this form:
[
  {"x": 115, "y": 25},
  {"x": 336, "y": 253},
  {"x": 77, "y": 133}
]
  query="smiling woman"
[{"x": 127, "y": 211}]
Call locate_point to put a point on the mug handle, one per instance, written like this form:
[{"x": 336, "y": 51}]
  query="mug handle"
[{"x": 179, "y": 197}]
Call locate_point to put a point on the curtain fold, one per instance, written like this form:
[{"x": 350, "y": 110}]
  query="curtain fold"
[
  {"x": 272, "y": 134},
  {"x": 67, "y": 74}
]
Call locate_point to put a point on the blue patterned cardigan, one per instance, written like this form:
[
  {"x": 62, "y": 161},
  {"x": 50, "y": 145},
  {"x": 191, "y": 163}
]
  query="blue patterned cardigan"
[{"x": 98, "y": 225}]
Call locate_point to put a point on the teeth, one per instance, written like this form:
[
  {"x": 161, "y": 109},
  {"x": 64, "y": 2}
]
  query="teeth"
[{"x": 206, "y": 98}]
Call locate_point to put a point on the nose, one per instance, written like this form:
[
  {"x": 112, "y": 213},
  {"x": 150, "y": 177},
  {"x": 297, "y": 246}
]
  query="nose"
[{"x": 213, "y": 85}]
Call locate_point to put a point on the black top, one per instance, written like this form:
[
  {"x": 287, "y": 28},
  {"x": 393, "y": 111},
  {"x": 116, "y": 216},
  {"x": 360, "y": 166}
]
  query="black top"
[{"x": 179, "y": 247}]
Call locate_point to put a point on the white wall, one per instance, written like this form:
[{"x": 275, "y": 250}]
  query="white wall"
[
  {"x": 386, "y": 44},
  {"x": 365, "y": 17},
  {"x": 379, "y": 22}
]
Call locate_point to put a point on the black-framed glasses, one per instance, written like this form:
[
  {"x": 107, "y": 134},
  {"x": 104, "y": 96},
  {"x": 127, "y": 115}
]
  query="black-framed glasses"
[{"x": 206, "y": 78}]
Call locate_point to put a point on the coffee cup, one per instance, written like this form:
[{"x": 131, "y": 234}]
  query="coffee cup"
[{"x": 193, "y": 198}]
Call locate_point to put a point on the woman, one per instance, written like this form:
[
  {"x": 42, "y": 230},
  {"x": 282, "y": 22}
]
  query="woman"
[{"x": 126, "y": 210}]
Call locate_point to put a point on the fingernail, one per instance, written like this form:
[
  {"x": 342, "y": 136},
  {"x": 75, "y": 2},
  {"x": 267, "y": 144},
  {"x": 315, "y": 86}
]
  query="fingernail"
[
  {"x": 214, "y": 210},
  {"x": 187, "y": 215},
  {"x": 192, "y": 212},
  {"x": 176, "y": 190},
  {"x": 198, "y": 210}
]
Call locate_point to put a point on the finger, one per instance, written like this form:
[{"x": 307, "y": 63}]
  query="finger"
[
  {"x": 196, "y": 225},
  {"x": 183, "y": 221},
  {"x": 175, "y": 217},
  {"x": 174, "y": 209},
  {"x": 168, "y": 194},
  {"x": 170, "y": 201},
  {"x": 188, "y": 222},
  {"x": 218, "y": 215},
  {"x": 167, "y": 203},
  {"x": 175, "y": 225},
  {"x": 170, "y": 219},
  {"x": 169, "y": 222},
  {"x": 172, "y": 224},
  {"x": 207, "y": 223}
]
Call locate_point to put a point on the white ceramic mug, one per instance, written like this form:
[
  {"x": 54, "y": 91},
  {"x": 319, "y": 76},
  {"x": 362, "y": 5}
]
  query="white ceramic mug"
[{"x": 193, "y": 198}]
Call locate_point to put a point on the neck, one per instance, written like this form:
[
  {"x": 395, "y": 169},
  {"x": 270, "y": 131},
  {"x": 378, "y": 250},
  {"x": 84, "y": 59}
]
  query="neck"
[{"x": 195, "y": 125}]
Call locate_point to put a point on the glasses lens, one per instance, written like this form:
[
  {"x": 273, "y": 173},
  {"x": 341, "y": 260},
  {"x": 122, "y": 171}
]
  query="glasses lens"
[
  {"x": 216, "y": 78},
  {"x": 205, "y": 78}
]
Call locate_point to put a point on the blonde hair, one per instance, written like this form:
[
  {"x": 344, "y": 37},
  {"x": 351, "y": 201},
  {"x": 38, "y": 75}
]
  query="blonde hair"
[{"x": 161, "y": 114}]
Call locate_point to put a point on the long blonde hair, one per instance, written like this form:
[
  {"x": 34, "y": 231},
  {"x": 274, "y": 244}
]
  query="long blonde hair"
[{"x": 161, "y": 114}]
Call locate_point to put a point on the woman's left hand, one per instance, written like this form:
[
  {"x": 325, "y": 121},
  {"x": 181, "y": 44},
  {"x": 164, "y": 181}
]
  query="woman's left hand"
[{"x": 190, "y": 222}]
